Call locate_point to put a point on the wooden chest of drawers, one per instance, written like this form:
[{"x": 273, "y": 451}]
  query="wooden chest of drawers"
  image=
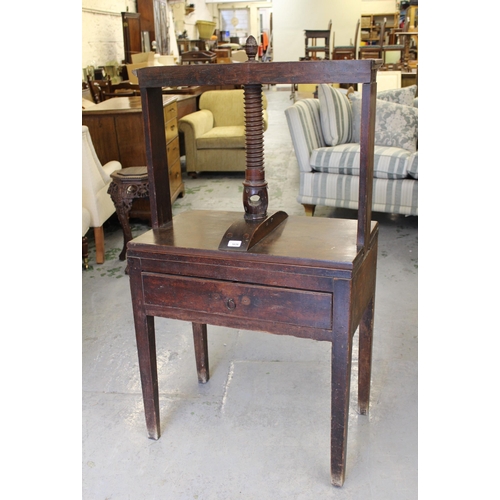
[{"x": 117, "y": 130}]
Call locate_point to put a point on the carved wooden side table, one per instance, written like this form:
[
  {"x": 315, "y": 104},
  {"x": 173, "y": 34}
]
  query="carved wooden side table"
[{"x": 128, "y": 184}]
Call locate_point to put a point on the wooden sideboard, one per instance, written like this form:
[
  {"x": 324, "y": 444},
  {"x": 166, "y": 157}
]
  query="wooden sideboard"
[{"x": 117, "y": 131}]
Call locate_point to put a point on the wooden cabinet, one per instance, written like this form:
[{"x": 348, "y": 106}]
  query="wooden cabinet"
[
  {"x": 173, "y": 149},
  {"x": 146, "y": 9},
  {"x": 132, "y": 41},
  {"x": 117, "y": 131}
]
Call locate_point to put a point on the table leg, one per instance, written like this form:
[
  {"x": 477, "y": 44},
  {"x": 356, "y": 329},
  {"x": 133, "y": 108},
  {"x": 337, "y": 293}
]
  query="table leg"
[
  {"x": 123, "y": 210},
  {"x": 365, "y": 358},
  {"x": 146, "y": 350},
  {"x": 201, "y": 351},
  {"x": 341, "y": 381},
  {"x": 123, "y": 204},
  {"x": 406, "y": 66}
]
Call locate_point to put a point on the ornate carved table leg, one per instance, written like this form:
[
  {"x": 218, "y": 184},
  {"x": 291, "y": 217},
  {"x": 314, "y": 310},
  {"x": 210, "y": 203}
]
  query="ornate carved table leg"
[
  {"x": 85, "y": 252},
  {"x": 128, "y": 184}
]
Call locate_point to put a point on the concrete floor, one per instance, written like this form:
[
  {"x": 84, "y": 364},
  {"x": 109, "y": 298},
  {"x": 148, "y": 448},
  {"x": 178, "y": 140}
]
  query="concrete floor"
[{"x": 259, "y": 429}]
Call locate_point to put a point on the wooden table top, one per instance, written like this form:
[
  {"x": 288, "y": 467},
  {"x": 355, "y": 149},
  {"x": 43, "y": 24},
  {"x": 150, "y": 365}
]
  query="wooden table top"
[
  {"x": 298, "y": 240},
  {"x": 130, "y": 104}
]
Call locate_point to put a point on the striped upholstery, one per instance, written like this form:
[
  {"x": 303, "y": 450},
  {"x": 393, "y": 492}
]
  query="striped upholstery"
[
  {"x": 394, "y": 196},
  {"x": 336, "y": 115},
  {"x": 323, "y": 170},
  {"x": 413, "y": 165},
  {"x": 305, "y": 128},
  {"x": 389, "y": 163}
]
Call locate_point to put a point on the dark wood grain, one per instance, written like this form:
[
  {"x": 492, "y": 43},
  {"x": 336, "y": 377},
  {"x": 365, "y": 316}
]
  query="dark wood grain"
[
  {"x": 309, "y": 277},
  {"x": 268, "y": 73}
]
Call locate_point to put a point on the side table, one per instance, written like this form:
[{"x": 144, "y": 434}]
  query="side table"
[{"x": 128, "y": 184}]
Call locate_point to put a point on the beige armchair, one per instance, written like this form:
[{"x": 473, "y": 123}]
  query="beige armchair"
[
  {"x": 214, "y": 136},
  {"x": 95, "y": 198}
]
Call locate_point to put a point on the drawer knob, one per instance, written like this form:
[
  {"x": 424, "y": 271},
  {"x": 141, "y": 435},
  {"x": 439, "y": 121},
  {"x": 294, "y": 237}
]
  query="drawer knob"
[{"x": 231, "y": 304}]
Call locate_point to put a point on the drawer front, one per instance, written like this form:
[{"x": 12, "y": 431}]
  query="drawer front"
[
  {"x": 171, "y": 130},
  {"x": 175, "y": 175},
  {"x": 239, "y": 300},
  {"x": 170, "y": 111},
  {"x": 173, "y": 153}
]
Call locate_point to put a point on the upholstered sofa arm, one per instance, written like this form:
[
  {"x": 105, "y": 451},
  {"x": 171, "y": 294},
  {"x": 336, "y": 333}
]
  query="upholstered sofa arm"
[
  {"x": 193, "y": 126},
  {"x": 197, "y": 123},
  {"x": 305, "y": 129}
]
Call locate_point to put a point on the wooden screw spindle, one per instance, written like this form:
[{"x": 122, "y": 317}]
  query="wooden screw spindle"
[{"x": 255, "y": 199}]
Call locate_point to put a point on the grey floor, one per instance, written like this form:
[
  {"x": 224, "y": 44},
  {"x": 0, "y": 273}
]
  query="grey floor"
[{"x": 259, "y": 428}]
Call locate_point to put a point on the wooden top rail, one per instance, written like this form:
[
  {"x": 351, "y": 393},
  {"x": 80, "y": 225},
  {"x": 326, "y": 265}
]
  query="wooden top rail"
[{"x": 361, "y": 71}]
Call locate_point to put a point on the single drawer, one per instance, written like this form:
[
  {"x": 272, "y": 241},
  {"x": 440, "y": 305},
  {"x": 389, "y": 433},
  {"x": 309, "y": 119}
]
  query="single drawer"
[
  {"x": 171, "y": 130},
  {"x": 173, "y": 152},
  {"x": 240, "y": 300},
  {"x": 174, "y": 175},
  {"x": 170, "y": 111}
]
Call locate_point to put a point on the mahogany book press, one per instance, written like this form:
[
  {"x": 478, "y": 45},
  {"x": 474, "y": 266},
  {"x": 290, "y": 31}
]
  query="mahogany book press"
[{"x": 287, "y": 275}]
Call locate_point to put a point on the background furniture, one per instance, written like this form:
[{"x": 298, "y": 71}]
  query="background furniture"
[
  {"x": 198, "y": 57},
  {"x": 188, "y": 45},
  {"x": 411, "y": 40},
  {"x": 311, "y": 39},
  {"x": 347, "y": 51},
  {"x": 374, "y": 49},
  {"x": 223, "y": 56},
  {"x": 391, "y": 47},
  {"x": 214, "y": 136},
  {"x": 128, "y": 185},
  {"x": 85, "y": 243},
  {"x": 132, "y": 40},
  {"x": 117, "y": 129},
  {"x": 95, "y": 198},
  {"x": 124, "y": 89},
  {"x": 98, "y": 89},
  {"x": 329, "y": 175},
  {"x": 410, "y": 59},
  {"x": 372, "y": 23},
  {"x": 312, "y": 278},
  {"x": 146, "y": 9}
]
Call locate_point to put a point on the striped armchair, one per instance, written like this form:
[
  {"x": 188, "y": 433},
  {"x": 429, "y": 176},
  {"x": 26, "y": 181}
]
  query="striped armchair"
[{"x": 325, "y": 137}]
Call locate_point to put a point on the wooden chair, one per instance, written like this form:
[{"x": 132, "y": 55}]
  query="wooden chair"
[
  {"x": 308, "y": 277},
  {"x": 347, "y": 51},
  {"x": 98, "y": 89},
  {"x": 311, "y": 38},
  {"x": 373, "y": 51},
  {"x": 397, "y": 47}
]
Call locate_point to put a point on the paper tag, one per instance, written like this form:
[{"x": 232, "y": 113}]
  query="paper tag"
[{"x": 234, "y": 243}]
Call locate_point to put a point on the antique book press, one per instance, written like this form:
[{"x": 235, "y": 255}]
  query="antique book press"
[{"x": 302, "y": 276}]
